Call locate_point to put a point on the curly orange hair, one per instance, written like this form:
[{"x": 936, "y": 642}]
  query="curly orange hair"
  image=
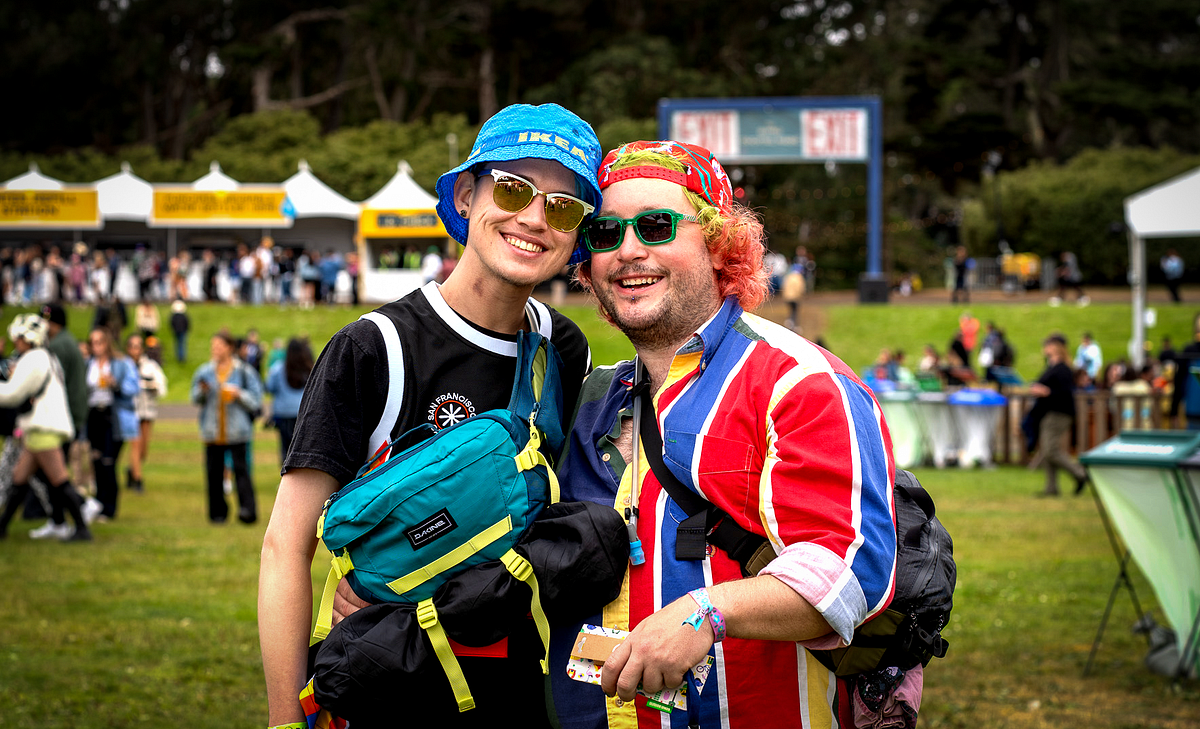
[{"x": 738, "y": 237}]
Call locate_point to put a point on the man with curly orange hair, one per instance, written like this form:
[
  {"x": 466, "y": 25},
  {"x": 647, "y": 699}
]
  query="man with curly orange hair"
[{"x": 775, "y": 431}]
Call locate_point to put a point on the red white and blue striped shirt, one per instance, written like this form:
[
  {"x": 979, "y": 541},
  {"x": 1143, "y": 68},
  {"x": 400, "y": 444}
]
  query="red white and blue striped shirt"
[{"x": 784, "y": 437}]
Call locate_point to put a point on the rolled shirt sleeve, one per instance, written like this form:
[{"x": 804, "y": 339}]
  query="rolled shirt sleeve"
[{"x": 826, "y": 499}]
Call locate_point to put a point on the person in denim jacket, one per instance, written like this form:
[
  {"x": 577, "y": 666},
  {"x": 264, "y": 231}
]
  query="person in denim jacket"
[
  {"x": 230, "y": 396},
  {"x": 112, "y": 383}
]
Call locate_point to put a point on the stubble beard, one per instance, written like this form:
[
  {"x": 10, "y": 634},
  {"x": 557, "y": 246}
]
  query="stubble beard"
[{"x": 672, "y": 322}]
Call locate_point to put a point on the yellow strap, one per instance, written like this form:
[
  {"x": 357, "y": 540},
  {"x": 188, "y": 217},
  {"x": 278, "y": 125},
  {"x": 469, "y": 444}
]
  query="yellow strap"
[
  {"x": 520, "y": 568},
  {"x": 427, "y": 619},
  {"x": 531, "y": 457},
  {"x": 539, "y": 371},
  {"x": 477, "y": 543},
  {"x": 339, "y": 568}
]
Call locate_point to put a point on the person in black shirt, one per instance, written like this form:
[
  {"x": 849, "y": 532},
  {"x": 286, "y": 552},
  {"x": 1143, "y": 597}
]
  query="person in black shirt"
[
  {"x": 509, "y": 204},
  {"x": 1055, "y": 391}
]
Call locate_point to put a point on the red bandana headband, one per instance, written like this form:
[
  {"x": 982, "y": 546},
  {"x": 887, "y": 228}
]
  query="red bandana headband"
[{"x": 703, "y": 174}]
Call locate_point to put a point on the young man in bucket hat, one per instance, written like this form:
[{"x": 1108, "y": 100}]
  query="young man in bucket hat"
[
  {"x": 774, "y": 430},
  {"x": 516, "y": 204}
]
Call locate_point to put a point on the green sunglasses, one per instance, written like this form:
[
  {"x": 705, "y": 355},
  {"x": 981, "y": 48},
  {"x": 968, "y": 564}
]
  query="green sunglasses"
[{"x": 653, "y": 227}]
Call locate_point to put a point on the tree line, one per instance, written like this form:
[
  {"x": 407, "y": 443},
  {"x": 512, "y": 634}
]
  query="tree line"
[{"x": 171, "y": 84}]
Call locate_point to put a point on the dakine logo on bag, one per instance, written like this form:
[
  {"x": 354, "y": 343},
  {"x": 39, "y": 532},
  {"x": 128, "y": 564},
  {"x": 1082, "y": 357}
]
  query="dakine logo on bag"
[{"x": 438, "y": 525}]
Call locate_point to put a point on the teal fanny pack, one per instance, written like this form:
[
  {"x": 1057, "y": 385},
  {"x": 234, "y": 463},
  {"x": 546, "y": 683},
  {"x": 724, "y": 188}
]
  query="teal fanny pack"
[{"x": 447, "y": 500}]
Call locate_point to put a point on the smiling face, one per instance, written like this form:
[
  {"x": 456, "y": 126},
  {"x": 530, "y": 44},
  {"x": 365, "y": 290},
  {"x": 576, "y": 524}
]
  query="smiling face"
[
  {"x": 657, "y": 295},
  {"x": 518, "y": 249}
]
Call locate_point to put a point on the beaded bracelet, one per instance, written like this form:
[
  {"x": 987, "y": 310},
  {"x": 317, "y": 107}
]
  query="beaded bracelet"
[{"x": 706, "y": 610}]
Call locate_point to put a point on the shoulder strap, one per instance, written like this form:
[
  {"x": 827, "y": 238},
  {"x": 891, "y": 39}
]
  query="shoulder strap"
[
  {"x": 705, "y": 521},
  {"x": 537, "y": 389},
  {"x": 908, "y": 483},
  {"x": 395, "y": 394}
]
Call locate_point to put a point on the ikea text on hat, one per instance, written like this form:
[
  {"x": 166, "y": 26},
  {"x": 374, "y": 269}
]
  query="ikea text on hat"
[{"x": 536, "y": 137}]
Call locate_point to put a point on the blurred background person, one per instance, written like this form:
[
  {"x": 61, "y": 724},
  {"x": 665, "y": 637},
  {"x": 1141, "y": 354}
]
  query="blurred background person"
[
  {"x": 1055, "y": 406},
  {"x": 145, "y": 318},
  {"x": 1089, "y": 358},
  {"x": 793, "y": 288},
  {"x": 930, "y": 360},
  {"x": 181, "y": 324},
  {"x": 45, "y": 427},
  {"x": 211, "y": 267},
  {"x": 1172, "y": 268},
  {"x": 962, "y": 267},
  {"x": 276, "y": 354},
  {"x": 431, "y": 264},
  {"x": 153, "y": 385},
  {"x": 285, "y": 381},
  {"x": 112, "y": 382},
  {"x": 1069, "y": 277},
  {"x": 229, "y": 394},
  {"x": 250, "y": 351},
  {"x": 310, "y": 277},
  {"x": 69, "y": 352}
]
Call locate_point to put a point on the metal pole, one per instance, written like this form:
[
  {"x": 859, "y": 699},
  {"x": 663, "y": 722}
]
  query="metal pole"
[
  {"x": 995, "y": 162},
  {"x": 1137, "y": 286},
  {"x": 875, "y": 188},
  {"x": 452, "y": 142}
]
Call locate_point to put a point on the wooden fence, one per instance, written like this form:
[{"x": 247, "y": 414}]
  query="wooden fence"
[{"x": 1099, "y": 415}]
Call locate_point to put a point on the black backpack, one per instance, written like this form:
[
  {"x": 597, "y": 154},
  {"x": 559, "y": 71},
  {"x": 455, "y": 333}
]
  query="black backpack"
[{"x": 908, "y": 632}]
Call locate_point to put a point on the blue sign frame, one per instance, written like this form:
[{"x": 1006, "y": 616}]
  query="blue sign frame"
[{"x": 770, "y": 112}]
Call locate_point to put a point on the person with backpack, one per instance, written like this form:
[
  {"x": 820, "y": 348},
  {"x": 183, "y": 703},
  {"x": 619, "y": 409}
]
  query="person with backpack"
[
  {"x": 755, "y": 420},
  {"x": 229, "y": 394},
  {"x": 516, "y": 205},
  {"x": 45, "y": 426}
]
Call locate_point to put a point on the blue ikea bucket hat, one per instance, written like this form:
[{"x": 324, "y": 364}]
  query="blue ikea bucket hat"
[{"x": 520, "y": 131}]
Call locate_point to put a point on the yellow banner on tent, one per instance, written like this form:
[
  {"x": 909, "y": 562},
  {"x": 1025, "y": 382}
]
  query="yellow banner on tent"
[
  {"x": 400, "y": 224},
  {"x": 55, "y": 209},
  {"x": 261, "y": 207}
]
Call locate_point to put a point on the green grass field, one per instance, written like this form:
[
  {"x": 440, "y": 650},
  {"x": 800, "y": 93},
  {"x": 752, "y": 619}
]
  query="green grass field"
[{"x": 154, "y": 623}]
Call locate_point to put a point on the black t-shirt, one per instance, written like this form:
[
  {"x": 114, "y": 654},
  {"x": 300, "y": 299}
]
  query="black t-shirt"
[
  {"x": 452, "y": 370},
  {"x": 1062, "y": 389}
]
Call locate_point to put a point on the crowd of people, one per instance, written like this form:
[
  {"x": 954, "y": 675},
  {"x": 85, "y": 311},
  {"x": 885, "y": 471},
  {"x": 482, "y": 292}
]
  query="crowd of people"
[
  {"x": 262, "y": 273},
  {"x": 69, "y": 409},
  {"x": 970, "y": 360}
]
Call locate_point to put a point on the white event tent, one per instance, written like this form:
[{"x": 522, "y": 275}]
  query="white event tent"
[
  {"x": 401, "y": 214},
  {"x": 125, "y": 196},
  {"x": 1168, "y": 210},
  {"x": 33, "y": 180},
  {"x": 324, "y": 218},
  {"x": 126, "y": 201}
]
